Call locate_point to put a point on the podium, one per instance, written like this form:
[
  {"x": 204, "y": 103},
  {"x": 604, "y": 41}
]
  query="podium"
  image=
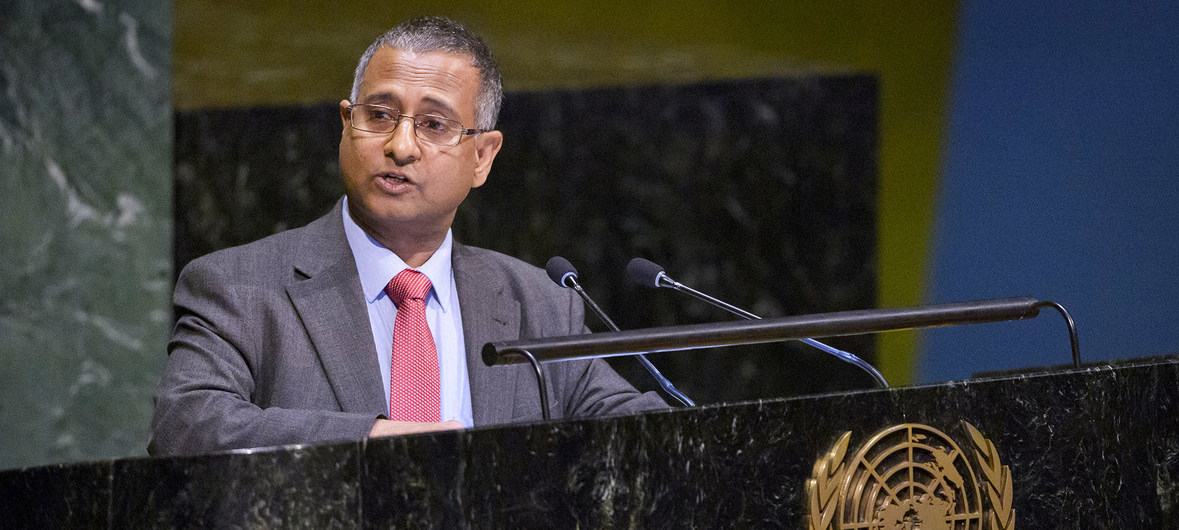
[{"x": 1091, "y": 448}]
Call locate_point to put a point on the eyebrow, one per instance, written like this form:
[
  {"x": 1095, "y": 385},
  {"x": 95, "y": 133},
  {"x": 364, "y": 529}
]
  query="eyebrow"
[
  {"x": 445, "y": 107},
  {"x": 388, "y": 99},
  {"x": 381, "y": 97}
]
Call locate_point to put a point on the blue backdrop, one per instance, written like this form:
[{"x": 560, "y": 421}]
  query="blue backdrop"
[{"x": 1059, "y": 182}]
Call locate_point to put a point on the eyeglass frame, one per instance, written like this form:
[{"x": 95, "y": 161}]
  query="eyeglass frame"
[{"x": 462, "y": 131}]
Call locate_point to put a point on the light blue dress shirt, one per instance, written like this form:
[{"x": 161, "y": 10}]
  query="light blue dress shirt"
[{"x": 376, "y": 266}]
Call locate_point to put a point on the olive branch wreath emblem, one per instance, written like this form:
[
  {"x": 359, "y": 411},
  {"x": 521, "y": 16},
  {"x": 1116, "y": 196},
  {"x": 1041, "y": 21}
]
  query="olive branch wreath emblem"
[{"x": 830, "y": 469}]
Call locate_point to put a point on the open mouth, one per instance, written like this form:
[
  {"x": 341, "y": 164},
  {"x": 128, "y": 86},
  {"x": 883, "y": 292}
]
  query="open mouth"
[{"x": 394, "y": 178}]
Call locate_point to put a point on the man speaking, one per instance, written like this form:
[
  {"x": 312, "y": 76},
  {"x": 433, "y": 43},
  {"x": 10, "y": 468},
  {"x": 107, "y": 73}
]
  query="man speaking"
[{"x": 369, "y": 321}]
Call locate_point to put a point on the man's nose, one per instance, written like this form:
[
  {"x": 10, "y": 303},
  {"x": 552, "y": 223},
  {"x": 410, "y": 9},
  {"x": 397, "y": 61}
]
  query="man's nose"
[{"x": 402, "y": 144}]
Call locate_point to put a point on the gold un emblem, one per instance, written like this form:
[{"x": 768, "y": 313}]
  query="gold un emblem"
[{"x": 910, "y": 476}]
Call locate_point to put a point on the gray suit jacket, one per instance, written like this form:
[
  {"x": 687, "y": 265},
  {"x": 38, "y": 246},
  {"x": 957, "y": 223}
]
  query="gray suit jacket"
[{"x": 272, "y": 346}]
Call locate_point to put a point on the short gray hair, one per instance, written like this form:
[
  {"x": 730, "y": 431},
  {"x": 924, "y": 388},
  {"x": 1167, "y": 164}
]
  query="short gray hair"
[{"x": 430, "y": 34}]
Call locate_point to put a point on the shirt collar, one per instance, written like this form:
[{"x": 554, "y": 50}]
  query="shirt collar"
[{"x": 377, "y": 264}]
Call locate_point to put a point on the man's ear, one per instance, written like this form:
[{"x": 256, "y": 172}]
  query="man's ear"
[
  {"x": 486, "y": 147},
  {"x": 344, "y": 113}
]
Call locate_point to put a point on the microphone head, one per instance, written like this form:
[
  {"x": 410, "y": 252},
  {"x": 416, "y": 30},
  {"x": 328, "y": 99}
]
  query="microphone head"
[
  {"x": 644, "y": 272},
  {"x": 561, "y": 271}
]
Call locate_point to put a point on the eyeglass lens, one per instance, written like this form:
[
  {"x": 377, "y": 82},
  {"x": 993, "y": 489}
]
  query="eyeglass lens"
[{"x": 428, "y": 127}]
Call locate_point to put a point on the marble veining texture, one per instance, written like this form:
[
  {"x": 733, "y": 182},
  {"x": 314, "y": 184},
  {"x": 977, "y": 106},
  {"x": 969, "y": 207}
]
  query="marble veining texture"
[
  {"x": 1094, "y": 448},
  {"x": 85, "y": 225},
  {"x": 759, "y": 191},
  {"x": 57, "y": 496},
  {"x": 299, "y": 487}
]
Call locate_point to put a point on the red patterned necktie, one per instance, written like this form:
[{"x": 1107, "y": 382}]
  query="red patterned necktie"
[{"x": 413, "y": 383}]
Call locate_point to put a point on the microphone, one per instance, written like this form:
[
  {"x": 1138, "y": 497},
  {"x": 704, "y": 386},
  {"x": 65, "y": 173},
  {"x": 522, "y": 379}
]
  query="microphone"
[
  {"x": 564, "y": 274},
  {"x": 649, "y": 274}
]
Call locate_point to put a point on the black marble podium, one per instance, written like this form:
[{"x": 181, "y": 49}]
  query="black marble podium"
[{"x": 1089, "y": 448}]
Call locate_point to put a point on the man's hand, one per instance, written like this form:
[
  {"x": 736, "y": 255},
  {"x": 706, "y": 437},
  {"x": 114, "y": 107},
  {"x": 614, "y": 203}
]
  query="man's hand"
[{"x": 394, "y": 428}]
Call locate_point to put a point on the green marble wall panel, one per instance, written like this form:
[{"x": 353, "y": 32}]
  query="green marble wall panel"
[{"x": 85, "y": 225}]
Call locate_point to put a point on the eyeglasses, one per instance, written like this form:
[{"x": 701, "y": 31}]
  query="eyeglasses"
[{"x": 427, "y": 127}]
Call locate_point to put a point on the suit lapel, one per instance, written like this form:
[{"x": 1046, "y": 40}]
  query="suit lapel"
[
  {"x": 489, "y": 315},
  {"x": 330, "y": 303}
]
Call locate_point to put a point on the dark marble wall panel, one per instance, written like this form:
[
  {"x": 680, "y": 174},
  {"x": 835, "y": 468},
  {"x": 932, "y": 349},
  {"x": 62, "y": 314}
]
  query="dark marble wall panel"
[
  {"x": 85, "y": 225},
  {"x": 759, "y": 191}
]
